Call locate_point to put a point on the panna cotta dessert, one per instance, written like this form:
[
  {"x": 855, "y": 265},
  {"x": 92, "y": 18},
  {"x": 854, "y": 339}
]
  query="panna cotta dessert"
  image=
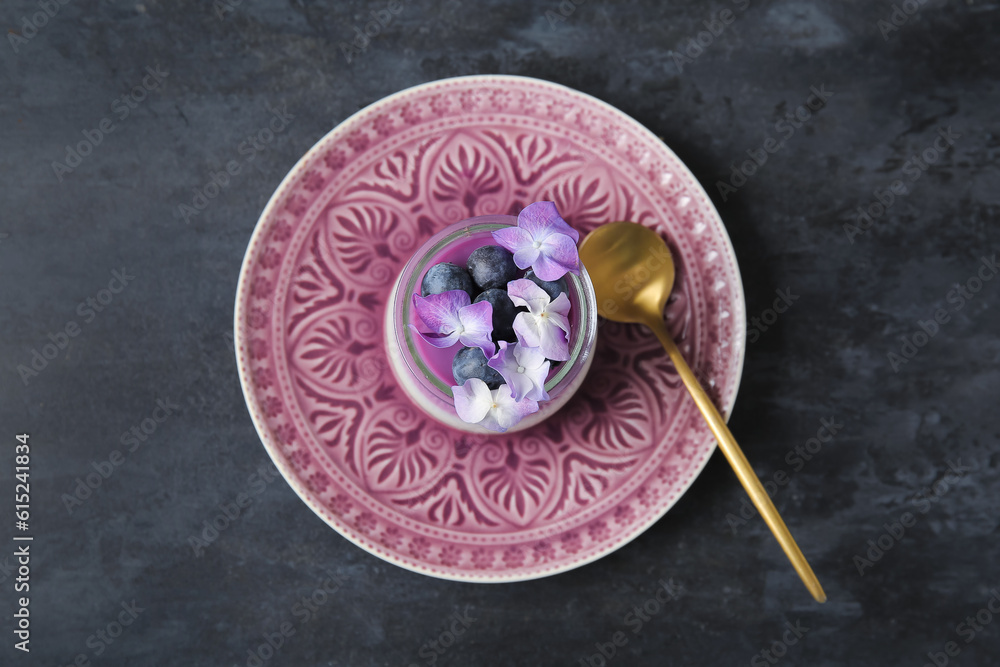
[{"x": 491, "y": 325}]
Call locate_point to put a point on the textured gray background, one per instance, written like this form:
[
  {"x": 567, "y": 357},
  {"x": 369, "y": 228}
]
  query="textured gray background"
[{"x": 165, "y": 335}]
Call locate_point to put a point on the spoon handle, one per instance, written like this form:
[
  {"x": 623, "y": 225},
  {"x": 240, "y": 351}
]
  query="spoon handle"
[{"x": 739, "y": 463}]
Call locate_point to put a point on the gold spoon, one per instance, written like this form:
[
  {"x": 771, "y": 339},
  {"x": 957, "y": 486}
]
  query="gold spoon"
[{"x": 633, "y": 273}]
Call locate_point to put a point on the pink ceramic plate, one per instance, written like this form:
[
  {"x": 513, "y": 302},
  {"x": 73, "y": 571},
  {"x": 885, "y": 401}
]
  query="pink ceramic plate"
[{"x": 309, "y": 314}]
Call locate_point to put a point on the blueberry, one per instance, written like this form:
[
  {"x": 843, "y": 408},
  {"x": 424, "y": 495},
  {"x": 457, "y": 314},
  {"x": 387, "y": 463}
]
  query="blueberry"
[
  {"x": 470, "y": 362},
  {"x": 492, "y": 267},
  {"x": 552, "y": 287},
  {"x": 445, "y": 277},
  {"x": 504, "y": 312}
]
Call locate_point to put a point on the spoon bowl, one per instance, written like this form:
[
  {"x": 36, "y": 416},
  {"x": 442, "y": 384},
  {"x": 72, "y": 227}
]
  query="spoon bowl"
[{"x": 634, "y": 271}]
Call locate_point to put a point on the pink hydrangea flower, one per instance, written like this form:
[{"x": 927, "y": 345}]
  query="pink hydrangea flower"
[
  {"x": 543, "y": 241},
  {"x": 545, "y": 325},
  {"x": 496, "y": 410},
  {"x": 452, "y": 318},
  {"x": 524, "y": 369}
]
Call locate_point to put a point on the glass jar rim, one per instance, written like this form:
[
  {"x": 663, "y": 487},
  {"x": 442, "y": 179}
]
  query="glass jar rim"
[{"x": 413, "y": 270}]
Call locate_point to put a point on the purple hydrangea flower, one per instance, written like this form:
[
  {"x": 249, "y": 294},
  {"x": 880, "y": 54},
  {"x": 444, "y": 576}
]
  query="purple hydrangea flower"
[
  {"x": 543, "y": 241},
  {"x": 545, "y": 325},
  {"x": 524, "y": 369},
  {"x": 496, "y": 410},
  {"x": 452, "y": 318}
]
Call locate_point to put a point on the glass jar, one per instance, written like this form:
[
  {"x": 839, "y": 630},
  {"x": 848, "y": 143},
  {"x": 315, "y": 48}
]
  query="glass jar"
[{"x": 413, "y": 361}]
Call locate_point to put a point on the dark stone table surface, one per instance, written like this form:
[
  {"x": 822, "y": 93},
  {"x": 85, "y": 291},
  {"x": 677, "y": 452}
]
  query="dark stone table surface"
[{"x": 902, "y": 78}]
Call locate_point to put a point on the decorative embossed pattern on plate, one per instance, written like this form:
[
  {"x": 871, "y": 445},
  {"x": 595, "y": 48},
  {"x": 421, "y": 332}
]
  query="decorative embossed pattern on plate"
[{"x": 309, "y": 332}]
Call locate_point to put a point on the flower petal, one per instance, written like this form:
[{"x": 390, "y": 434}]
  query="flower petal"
[
  {"x": 509, "y": 412},
  {"x": 522, "y": 387},
  {"x": 526, "y": 256},
  {"x": 503, "y": 358},
  {"x": 553, "y": 342},
  {"x": 527, "y": 329},
  {"x": 439, "y": 312},
  {"x": 437, "y": 340},
  {"x": 538, "y": 377},
  {"x": 529, "y": 357},
  {"x": 558, "y": 312},
  {"x": 546, "y": 266},
  {"x": 541, "y": 219},
  {"x": 525, "y": 293},
  {"x": 560, "y": 321},
  {"x": 505, "y": 363},
  {"x": 513, "y": 238},
  {"x": 558, "y": 257},
  {"x": 536, "y": 369},
  {"x": 543, "y": 333},
  {"x": 490, "y": 422},
  {"x": 477, "y": 327},
  {"x": 473, "y": 400},
  {"x": 560, "y": 305}
]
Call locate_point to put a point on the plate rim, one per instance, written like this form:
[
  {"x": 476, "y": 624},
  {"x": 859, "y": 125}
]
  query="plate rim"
[{"x": 273, "y": 448}]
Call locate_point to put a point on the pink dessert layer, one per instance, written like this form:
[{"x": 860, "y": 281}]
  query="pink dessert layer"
[{"x": 439, "y": 359}]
